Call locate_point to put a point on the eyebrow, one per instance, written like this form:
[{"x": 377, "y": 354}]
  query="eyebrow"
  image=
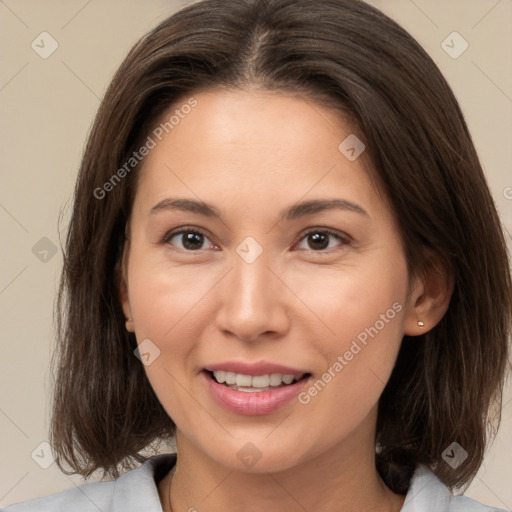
[{"x": 294, "y": 211}]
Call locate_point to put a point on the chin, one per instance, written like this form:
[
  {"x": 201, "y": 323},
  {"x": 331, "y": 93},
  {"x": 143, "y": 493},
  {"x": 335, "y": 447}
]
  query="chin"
[{"x": 259, "y": 456}]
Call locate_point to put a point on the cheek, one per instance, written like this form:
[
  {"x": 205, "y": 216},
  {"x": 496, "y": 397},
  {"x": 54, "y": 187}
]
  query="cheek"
[
  {"x": 167, "y": 298},
  {"x": 351, "y": 298},
  {"x": 164, "y": 303},
  {"x": 361, "y": 309},
  {"x": 170, "y": 306}
]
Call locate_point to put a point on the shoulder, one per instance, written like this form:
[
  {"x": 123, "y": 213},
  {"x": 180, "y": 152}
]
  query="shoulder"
[
  {"x": 134, "y": 490},
  {"x": 427, "y": 493}
]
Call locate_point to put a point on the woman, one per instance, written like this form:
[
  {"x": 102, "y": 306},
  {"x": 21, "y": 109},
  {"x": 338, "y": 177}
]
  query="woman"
[{"x": 284, "y": 252}]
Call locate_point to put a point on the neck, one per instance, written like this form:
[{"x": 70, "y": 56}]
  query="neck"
[{"x": 341, "y": 479}]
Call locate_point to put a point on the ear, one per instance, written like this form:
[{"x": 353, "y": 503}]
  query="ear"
[
  {"x": 430, "y": 298},
  {"x": 123, "y": 284}
]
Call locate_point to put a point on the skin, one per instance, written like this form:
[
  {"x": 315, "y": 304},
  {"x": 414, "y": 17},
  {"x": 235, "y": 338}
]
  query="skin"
[{"x": 251, "y": 154}]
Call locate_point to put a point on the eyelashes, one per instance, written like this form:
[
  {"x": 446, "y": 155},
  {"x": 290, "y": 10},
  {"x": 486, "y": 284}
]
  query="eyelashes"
[
  {"x": 193, "y": 242},
  {"x": 342, "y": 238},
  {"x": 187, "y": 230}
]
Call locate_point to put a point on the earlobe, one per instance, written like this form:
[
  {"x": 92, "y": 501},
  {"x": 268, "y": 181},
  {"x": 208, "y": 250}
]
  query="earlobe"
[
  {"x": 123, "y": 288},
  {"x": 129, "y": 325},
  {"x": 429, "y": 301},
  {"x": 126, "y": 305}
]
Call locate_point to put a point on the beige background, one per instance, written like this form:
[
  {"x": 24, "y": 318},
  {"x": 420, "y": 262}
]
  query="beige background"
[{"x": 47, "y": 106}]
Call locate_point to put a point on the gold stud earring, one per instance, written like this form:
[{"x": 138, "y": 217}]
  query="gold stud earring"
[
  {"x": 420, "y": 323},
  {"x": 129, "y": 324}
]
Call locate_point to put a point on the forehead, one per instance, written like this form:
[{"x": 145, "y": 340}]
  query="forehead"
[
  {"x": 252, "y": 147},
  {"x": 250, "y": 120}
]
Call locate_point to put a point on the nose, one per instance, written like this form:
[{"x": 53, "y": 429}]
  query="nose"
[{"x": 254, "y": 301}]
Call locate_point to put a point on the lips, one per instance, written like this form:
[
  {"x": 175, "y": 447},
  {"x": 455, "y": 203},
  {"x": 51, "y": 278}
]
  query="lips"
[
  {"x": 253, "y": 389},
  {"x": 254, "y": 369}
]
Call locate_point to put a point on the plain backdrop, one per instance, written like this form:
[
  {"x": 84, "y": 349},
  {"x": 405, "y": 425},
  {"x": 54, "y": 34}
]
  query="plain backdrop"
[{"x": 47, "y": 106}]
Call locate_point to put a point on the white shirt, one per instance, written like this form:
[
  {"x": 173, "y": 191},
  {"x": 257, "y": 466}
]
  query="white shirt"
[{"x": 136, "y": 491}]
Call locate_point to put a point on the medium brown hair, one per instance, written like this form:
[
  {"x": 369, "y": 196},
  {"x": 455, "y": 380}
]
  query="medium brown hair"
[{"x": 447, "y": 384}]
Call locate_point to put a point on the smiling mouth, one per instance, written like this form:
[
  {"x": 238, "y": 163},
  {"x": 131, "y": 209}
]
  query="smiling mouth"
[{"x": 255, "y": 383}]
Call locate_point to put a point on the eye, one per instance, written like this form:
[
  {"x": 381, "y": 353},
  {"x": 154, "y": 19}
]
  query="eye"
[
  {"x": 191, "y": 239},
  {"x": 319, "y": 239}
]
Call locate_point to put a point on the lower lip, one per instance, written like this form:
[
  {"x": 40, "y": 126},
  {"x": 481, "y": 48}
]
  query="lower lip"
[{"x": 253, "y": 403}]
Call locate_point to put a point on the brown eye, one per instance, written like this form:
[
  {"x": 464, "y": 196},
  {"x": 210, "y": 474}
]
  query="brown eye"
[
  {"x": 187, "y": 240},
  {"x": 319, "y": 240}
]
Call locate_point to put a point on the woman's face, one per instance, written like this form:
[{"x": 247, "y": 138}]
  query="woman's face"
[{"x": 256, "y": 286}]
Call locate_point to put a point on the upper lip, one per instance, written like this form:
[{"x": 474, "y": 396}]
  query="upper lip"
[{"x": 254, "y": 369}]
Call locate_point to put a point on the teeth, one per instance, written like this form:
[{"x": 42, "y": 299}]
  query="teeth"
[
  {"x": 261, "y": 381},
  {"x": 221, "y": 377},
  {"x": 257, "y": 381},
  {"x": 275, "y": 379},
  {"x": 287, "y": 379},
  {"x": 243, "y": 380}
]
